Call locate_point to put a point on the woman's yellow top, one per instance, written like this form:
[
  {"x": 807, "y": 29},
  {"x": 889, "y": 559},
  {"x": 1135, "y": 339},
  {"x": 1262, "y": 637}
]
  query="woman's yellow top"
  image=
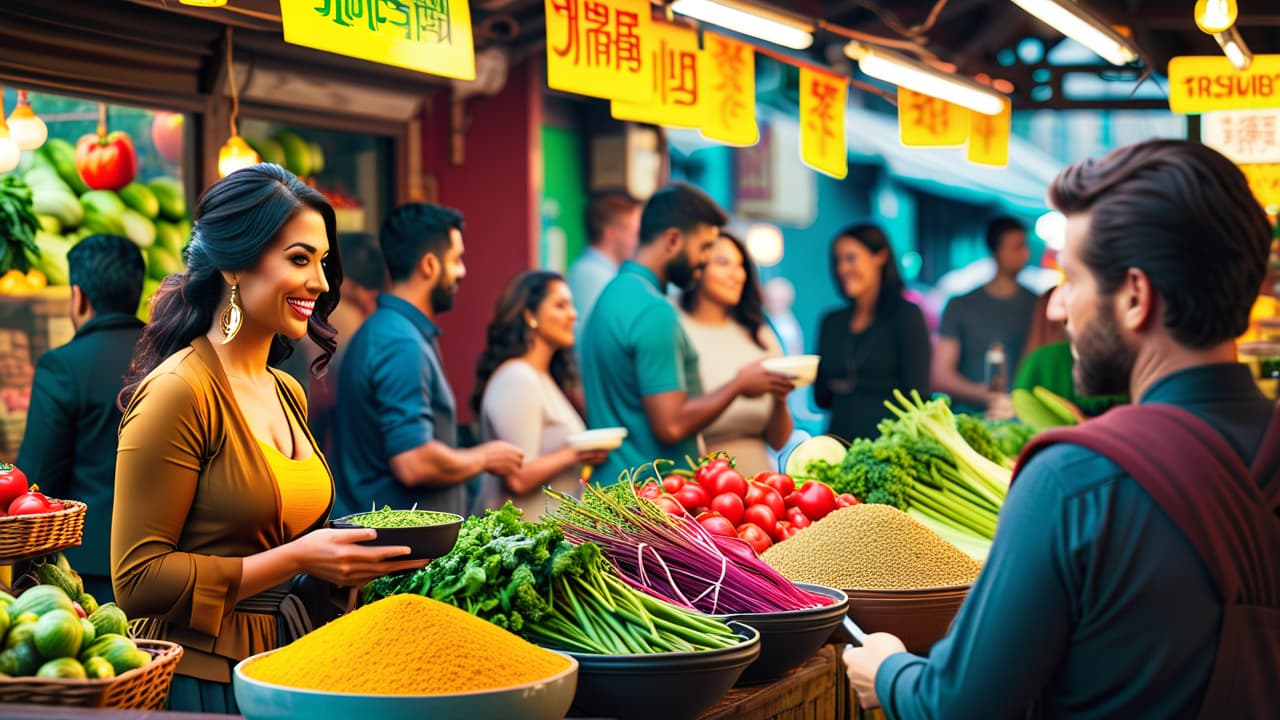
[{"x": 305, "y": 487}]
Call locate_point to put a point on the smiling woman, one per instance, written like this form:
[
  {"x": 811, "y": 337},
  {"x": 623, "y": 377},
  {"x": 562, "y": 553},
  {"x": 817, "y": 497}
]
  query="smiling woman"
[{"x": 221, "y": 495}]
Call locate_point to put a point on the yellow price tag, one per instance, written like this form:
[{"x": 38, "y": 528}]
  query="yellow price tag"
[
  {"x": 599, "y": 48},
  {"x": 677, "y": 101},
  {"x": 823, "y": 145},
  {"x": 989, "y": 137},
  {"x": 926, "y": 121},
  {"x": 729, "y": 83},
  {"x": 431, "y": 37}
]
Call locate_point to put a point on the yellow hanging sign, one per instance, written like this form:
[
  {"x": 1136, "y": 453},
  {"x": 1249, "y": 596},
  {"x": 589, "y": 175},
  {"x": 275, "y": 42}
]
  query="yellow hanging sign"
[
  {"x": 673, "y": 63},
  {"x": 989, "y": 137},
  {"x": 430, "y": 36},
  {"x": 823, "y": 145},
  {"x": 600, "y": 48},
  {"x": 1264, "y": 181},
  {"x": 926, "y": 121},
  {"x": 729, "y": 82},
  {"x": 1203, "y": 83}
]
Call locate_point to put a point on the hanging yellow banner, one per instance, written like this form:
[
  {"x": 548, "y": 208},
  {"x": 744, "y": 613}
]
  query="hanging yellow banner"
[
  {"x": 926, "y": 121},
  {"x": 600, "y": 48},
  {"x": 823, "y": 145},
  {"x": 676, "y": 100},
  {"x": 989, "y": 137},
  {"x": 430, "y": 36},
  {"x": 1203, "y": 83},
  {"x": 1264, "y": 180},
  {"x": 729, "y": 81}
]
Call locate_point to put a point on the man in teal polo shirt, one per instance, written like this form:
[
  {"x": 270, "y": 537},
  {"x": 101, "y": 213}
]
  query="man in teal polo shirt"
[{"x": 640, "y": 371}]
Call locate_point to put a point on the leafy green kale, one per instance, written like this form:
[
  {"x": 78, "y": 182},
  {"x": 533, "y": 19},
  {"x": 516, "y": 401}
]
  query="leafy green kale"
[{"x": 975, "y": 432}]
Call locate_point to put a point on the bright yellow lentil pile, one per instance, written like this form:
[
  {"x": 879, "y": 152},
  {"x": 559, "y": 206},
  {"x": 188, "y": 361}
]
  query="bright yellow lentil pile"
[
  {"x": 407, "y": 645},
  {"x": 871, "y": 547}
]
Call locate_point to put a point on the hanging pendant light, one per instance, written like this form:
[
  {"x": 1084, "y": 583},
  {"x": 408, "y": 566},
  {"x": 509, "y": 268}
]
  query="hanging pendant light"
[
  {"x": 203, "y": 3},
  {"x": 9, "y": 151},
  {"x": 25, "y": 127},
  {"x": 235, "y": 153}
]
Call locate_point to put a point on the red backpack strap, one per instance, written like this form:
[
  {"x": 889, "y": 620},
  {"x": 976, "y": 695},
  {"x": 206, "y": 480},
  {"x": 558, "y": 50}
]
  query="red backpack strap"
[
  {"x": 1266, "y": 465},
  {"x": 1200, "y": 483}
]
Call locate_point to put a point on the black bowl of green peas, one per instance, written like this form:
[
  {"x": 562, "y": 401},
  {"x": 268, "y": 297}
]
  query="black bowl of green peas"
[{"x": 426, "y": 533}]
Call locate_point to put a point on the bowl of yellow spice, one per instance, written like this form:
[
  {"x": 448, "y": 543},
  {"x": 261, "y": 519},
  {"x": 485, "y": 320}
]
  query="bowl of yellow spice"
[
  {"x": 407, "y": 656},
  {"x": 426, "y": 533}
]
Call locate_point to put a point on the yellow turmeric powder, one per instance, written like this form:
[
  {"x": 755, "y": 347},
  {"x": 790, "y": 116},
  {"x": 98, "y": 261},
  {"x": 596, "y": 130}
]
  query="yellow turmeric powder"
[{"x": 407, "y": 645}]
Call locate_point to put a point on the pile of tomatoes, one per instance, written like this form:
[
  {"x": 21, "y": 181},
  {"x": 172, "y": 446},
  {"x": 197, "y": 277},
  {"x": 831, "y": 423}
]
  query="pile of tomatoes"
[
  {"x": 19, "y": 498},
  {"x": 762, "y": 510}
]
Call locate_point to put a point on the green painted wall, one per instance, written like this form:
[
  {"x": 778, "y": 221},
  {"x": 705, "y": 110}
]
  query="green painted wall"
[{"x": 564, "y": 198}]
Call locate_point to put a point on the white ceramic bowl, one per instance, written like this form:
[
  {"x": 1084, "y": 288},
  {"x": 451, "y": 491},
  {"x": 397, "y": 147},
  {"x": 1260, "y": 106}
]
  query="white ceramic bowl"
[
  {"x": 609, "y": 438},
  {"x": 802, "y": 369},
  {"x": 546, "y": 699}
]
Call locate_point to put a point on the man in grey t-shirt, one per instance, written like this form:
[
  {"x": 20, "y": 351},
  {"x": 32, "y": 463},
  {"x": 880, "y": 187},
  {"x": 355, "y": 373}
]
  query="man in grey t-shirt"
[{"x": 998, "y": 312}]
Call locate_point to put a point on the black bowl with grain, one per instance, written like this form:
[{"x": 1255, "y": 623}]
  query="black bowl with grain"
[{"x": 426, "y": 533}]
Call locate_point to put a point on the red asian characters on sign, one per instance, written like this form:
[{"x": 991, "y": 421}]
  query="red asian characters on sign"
[
  {"x": 609, "y": 39},
  {"x": 823, "y": 97},
  {"x": 730, "y": 59},
  {"x": 822, "y": 117}
]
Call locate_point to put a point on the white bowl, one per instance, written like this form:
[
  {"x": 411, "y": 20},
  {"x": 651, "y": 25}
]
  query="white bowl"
[
  {"x": 609, "y": 438},
  {"x": 802, "y": 369}
]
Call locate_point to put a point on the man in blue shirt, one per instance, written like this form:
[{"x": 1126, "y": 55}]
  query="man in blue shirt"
[
  {"x": 1093, "y": 603},
  {"x": 640, "y": 371},
  {"x": 396, "y": 423}
]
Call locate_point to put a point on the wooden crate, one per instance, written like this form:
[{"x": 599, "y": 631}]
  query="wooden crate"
[{"x": 811, "y": 692}]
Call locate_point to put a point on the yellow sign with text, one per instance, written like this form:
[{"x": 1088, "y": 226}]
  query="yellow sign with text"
[
  {"x": 677, "y": 101},
  {"x": 600, "y": 48},
  {"x": 926, "y": 121},
  {"x": 729, "y": 82},
  {"x": 1264, "y": 180},
  {"x": 823, "y": 145},
  {"x": 989, "y": 137},
  {"x": 1203, "y": 83},
  {"x": 430, "y": 36}
]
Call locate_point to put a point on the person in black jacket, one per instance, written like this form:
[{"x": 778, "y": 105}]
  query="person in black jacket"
[
  {"x": 875, "y": 344},
  {"x": 69, "y": 447}
]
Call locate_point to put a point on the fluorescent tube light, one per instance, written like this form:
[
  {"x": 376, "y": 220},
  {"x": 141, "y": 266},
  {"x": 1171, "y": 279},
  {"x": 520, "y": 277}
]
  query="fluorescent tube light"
[
  {"x": 769, "y": 25},
  {"x": 1078, "y": 24},
  {"x": 914, "y": 75},
  {"x": 1234, "y": 48}
]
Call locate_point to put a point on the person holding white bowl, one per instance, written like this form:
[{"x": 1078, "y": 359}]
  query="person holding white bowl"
[
  {"x": 722, "y": 313},
  {"x": 524, "y": 381}
]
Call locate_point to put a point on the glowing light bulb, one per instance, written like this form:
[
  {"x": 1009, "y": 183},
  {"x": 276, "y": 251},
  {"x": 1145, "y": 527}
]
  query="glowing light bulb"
[
  {"x": 1214, "y": 16},
  {"x": 25, "y": 127},
  {"x": 236, "y": 155},
  {"x": 9, "y": 151}
]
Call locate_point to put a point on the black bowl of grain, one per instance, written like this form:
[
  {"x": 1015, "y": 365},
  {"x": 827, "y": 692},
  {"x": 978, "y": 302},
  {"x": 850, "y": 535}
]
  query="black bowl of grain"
[{"x": 426, "y": 533}]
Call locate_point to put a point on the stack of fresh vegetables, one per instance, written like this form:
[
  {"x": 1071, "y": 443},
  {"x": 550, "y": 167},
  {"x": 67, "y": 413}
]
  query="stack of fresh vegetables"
[
  {"x": 48, "y": 634},
  {"x": 764, "y": 510},
  {"x": 922, "y": 464},
  {"x": 18, "y": 224},
  {"x": 526, "y": 578},
  {"x": 674, "y": 557}
]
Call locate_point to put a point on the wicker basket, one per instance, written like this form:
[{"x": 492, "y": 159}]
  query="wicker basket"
[
  {"x": 23, "y": 537},
  {"x": 142, "y": 689}
]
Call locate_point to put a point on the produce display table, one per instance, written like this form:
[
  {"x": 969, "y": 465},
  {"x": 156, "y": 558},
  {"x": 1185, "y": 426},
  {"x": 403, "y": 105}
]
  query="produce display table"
[{"x": 816, "y": 690}]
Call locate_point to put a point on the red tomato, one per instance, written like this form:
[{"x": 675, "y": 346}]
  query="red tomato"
[
  {"x": 760, "y": 494},
  {"x": 761, "y": 515},
  {"x": 13, "y": 482},
  {"x": 711, "y": 466},
  {"x": 651, "y": 490},
  {"x": 672, "y": 483},
  {"x": 717, "y": 524},
  {"x": 791, "y": 499},
  {"x": 782, "y": 483},
  {"x": 31, "y": 503},
  {"x": 798, "y": 519},
  {"x": 846, "y": 499},
  {"x": 753, "y": 534},
  {"x": 691, "y": 496},
  {"x": 107, "y": 163},
  {"x": 726, "y": 480},
  {"x": 668, "y": 503},
  {"x": 816, "y": 500},
  {"x": 730, "y": 506},
  {"x": 783, "y": 530}
]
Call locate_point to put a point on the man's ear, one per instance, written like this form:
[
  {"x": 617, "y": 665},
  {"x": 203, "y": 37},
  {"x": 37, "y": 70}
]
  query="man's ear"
[
  {"x": 79, "y": 301},
  {"x": 429, "y": 266},
  {"x": 1136, "y": 302},
  {"x": 672, "y": 241}
]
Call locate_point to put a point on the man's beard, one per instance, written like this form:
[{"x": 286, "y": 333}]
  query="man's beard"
[
  {"x": 1103, "y": 363},
  {"x": 680, "y": 273},
  {"x": 442, "y": 297}
]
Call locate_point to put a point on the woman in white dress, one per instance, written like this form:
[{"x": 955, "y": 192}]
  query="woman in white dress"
[
  {"x": 524, "y": 379},
  {"x": 722, "y": 315}
]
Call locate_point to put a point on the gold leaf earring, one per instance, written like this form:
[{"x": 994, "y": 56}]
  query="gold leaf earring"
[{"x": 231, "y": 317}]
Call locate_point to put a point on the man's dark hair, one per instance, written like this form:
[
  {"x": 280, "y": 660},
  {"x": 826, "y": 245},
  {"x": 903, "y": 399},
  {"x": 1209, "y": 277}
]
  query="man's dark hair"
[
  {"x": 680, "y": 206},
  {"x": 413, "y": 230},
  {"x": 362, "y": 260},
  {"x": 997, "y": 228},
  {"x": 604, "y": 210},
  {"x": 1184, "y": 215},
  {"x": 109, "y": 270}
]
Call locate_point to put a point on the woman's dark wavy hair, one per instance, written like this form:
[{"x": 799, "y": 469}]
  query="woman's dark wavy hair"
[
  {"x": 874, "y": 239},
  {"x": 749, "y": 312},
  {"x": 509, "y": 333},
  {"x": 235, "y": 220},
  {"x": 1184, "y": 215}
]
